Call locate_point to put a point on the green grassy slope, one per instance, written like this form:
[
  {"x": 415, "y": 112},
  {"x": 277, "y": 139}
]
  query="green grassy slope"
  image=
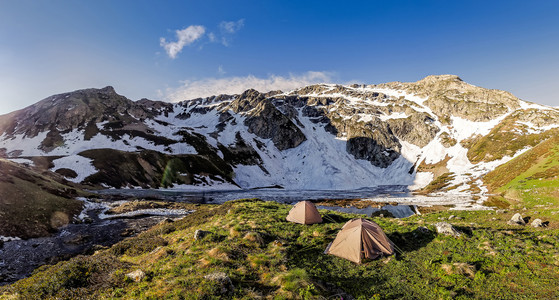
[
  {"x": 505, "y": 139},
  {"x": 531, "y": 178},
  {"x": 32, "y": 204},
  {"x": 266, "y": 256}
]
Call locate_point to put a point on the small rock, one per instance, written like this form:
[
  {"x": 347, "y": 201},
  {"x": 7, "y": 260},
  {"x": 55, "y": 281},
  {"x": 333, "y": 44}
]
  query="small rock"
[
  {"x": 537, "y": 223},
  {"x": 447, "y": 229},
  {"x": 222, "y": 280},
  {"x": 137, "y": 275},
  {"x": 500, "y": 211},
  {"x": 278, "y": 243},
  {"x": 387, "y": 259},
  {"x": 516, "y": 220},
  {"x": 200, "y": 234},
  {"x": 451, "y": 217}
]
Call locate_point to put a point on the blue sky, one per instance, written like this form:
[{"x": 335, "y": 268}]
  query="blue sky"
[{"x": 173, "y": 50}]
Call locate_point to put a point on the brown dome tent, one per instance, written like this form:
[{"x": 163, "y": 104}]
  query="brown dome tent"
[
  {"x": 360, "y": 238},
  {"x": 304, "y": 212}
]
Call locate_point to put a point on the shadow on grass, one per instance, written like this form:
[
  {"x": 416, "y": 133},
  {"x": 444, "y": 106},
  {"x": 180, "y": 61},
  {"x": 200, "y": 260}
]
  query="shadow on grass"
[
  {"x": 411, "y": 240},
  {"x": 335, "y": 218}
]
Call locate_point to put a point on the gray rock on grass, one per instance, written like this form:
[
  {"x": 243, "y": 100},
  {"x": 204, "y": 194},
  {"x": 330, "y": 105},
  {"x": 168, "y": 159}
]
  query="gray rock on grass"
[
  {"x": 516, "y": 220},
  {"x": 200, "y": 234},
  {"x": 447, "y": 229},
  {"x": 225, "y": 283},
  {"x": 538, "y": 223},
  {"x": 137, "y": 275}
]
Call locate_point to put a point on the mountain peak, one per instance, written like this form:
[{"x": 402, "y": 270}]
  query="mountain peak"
[
  {"x": 439, "y": 78},
  {"x": 108, "y": 89}
]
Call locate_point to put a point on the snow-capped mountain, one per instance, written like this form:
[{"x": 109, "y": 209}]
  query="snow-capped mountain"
[{"x": 439, "y": 130}]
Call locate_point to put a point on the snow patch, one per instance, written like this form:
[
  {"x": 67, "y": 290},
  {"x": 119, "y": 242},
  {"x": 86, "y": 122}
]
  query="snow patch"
[
  {"x": 23, "y": 161},
  {"x": 81, "y": 165},
  {"x": 529, "y": 105},
  {"x": 221, "y": 186},
  {"x": 89, "y": 206},
  {"x": 395, "y": 115},
  {"x": 27, "y": 145},
  {"x": 9, "y": 238},
  {"x": 535, "y": 129},
  {"x": 463, "y": 129},
  {"x": 149, "y": 211},
  {"x": 459, "y": 202},
  {"x": 321, "y": 162}
]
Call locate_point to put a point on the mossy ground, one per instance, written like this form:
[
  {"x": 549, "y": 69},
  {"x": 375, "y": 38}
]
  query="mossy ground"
[{"x": 266, "y": 256}]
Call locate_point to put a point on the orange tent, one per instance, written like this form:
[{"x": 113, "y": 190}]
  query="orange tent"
[
  {"x": 304, "y": 212},
  {"x": 360, "y": 238}
]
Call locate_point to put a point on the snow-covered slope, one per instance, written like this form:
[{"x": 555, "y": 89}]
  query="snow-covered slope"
[{"x": 318, "y": 137}]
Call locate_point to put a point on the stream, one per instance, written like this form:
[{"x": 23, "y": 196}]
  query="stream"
[{"x": 18, "y": 258}]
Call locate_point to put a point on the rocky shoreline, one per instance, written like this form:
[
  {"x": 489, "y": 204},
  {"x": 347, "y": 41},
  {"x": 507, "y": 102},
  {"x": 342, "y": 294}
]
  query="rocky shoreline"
[{"x": 97, "y": 229}]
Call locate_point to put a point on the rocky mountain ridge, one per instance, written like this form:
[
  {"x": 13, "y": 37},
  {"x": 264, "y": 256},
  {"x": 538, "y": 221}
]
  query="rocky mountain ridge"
[{"x": 322, "y": 136}]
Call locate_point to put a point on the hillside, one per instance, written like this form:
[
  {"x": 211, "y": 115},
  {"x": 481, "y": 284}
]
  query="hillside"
[
  {"x": 267, "y": 257},
  {"x": 532, "y": 178},
  {"x": 32, "y": 203},
  {"x": 439, "y": 130}
]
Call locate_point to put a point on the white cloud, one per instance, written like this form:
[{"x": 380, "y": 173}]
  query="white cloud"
[
  {"x": 236, "y": 85},
  {"x": 232, "y": 27},
  {"x": 228, "y": 29},
  {"x": 220, "y": 70},
  {"x": 212, "y": 37},
  {"x": 185, "y": 37}
]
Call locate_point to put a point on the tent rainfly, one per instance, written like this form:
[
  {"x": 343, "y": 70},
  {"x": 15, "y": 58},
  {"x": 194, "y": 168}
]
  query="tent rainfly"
[
  {"x": 304, "y": 212},
  {"x": 358, "y": 239}
]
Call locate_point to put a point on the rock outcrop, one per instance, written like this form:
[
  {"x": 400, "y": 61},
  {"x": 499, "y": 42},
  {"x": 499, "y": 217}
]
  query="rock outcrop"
[{"x": 266, "y": 121}]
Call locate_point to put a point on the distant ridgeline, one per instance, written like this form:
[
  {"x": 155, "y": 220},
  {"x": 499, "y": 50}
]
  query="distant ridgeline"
[{"x": 438, "y": 134}]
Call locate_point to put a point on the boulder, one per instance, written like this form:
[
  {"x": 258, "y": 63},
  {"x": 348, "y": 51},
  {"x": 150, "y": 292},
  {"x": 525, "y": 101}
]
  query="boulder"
[
  {"x": 200, "y": 234},
  {"x": 137, "y": 275},
  {"x": 446, "y": 229},
  {"x": 537, "y": 223},
  {"x": 516, "y": 220},
  {"x": 222, "y": 280}
]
